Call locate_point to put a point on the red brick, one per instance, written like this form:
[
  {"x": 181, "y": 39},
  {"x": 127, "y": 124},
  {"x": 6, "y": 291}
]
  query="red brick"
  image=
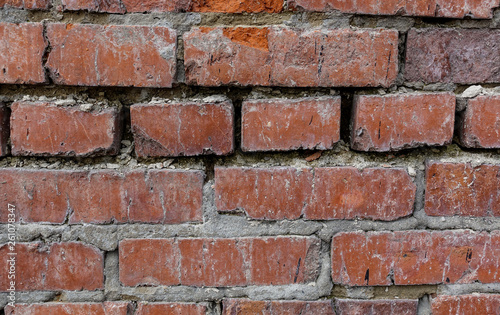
[
  {"x": 290, "y": 57},
  {"x": 26, "y": 4},
  {"x": 123, "y": 6},
  {"x": 219, "y": 262},
  {"x": 480, "y": 124},
  {"x": 466, "y": 304},
  {"x": 322, "y": 194},
  {"x": 183, "y": 129},
  {"x": 273, "y": 193},
  {"x": 21, "y": 51},
  {"x": 386, "y": 307},
  {"x": 156, "y": 196},
  {"x": 396, "y": 122},
  {"x": 349, "y": 193},
  {"x": 106, "y": 308},
  {"x": 171, "y": 309},
  {"x": 283, "y": 124},
  {"x": 60, "y": 266},
  {"x": 415, "y": 257},
  {"x": 479, "y": 9},
  {"x": 4, "y": 129},
  {"x": 460, "y": 189},
  {"x": 465, "y": 56},
  {"x": 43, "y": 129},
  {"x": 249, "y": 307},
  {"x": 113, "y": 55}
]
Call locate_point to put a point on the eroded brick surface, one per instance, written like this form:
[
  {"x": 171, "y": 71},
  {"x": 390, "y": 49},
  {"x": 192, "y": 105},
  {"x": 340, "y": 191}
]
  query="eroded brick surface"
[
  {"x": 479, "y": 126},
  {"x": 106, "y": 308},
  {"x": 386, "y": 307},
  {"x": 249, "y": 307},
  {"x": 466, "y": 304},
  {"x": 290, "y": 57},
  {"x": 415, "y": 257}
]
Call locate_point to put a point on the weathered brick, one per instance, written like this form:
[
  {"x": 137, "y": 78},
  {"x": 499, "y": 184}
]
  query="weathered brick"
[
  {"x": 396, "y": 122},
  {"x": 479, "y": 125},
  {"x": 386, "y": 307},
  {"x": 123, "y": 6},
  {"x": 155, "y": 196},
  {"x": 4, "y": 129},
  {"x": 25, "y": 4},
  {"x": 290, "y": 57},
  {"x": 463, "y": 56},
  {"x": 415, "y": 257},
  {"x": 466, "y": 304},
  {"x": 113, "y": 55},
  {"x": 460, "y": 189},
  {"x": 105, "y": 308},
  {"x": 43, "y": 129},
  {"x": 319, "y": 194},
  {"x": 219, "y": 262},
  {"x": 171, "y": 309},
  {"x": 250, "y": 307},
  {"x": 21, "y": 50},
  {"x": 479, "y": 9},
  {"x": 183, "y": 129},
  {"x": 349, "y": 193},
  {"x": 60, "y": 266},
  {"x": 284, "y": 124}
]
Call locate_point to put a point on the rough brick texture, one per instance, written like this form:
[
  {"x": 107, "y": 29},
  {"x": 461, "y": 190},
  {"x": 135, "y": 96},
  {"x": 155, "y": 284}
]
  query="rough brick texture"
[
  {"x": 219, "y": 262},
  {"x": 466, "y": 304},
  {"x": 284, "y": 124},
  {"x": 460, "y": 189},
  {"x": 319, "y": 194},
  {"x": 386, "y": 307},
  {"x": 183, "y": 129},
  {"x": 106, "y": 308},
  {"x": 25, "y": 4},
  {"x": 113, "y": 55},
  {"x": 249, "y": 307},
  {"x": 4, "y": 129},
  {"x": 155, "y": 196},
  {"x": 480, "y": 123},
  {"x": 480, "y": 9},
  {"x": 290, "y": 57},
  {"x": 21, "y": 50},
  {"x": 415, "y": 257},
  {"x": 170, "y": 309},
  {"x": 123, "y": 6},
  {"x": 60, "y": 266},
  {"x": 45, "y": 129},
  {"x": 395, "y": 122},
  {"x": 464, "y": 56}
]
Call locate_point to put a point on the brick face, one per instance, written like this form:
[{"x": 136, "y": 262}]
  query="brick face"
[
  {"x": 480, "y": 123},
  {"x": 21, "y": 51},
  {"x": 219, "y": 262},
  {"x": 395, "y": 122},
  {"x": 131, "y": 6},
  {"x": 156, "y": 196},
  {"x": 170, "y": 309},
  {"x": 60, "y": 266},
  {"x": 112, "y": 55},
  {"x": 433, "y": 8},
  {"x": 460, "y": 189},
  {"x": 183, "y": 129},
  {"x": 45, "y": 129},
  {"x": 464, "y": 56},
  {"x": 389, "y": 307},
  {"x": 338, "y": 193},
  {"x": 290, "y": 57},
  {"x": 25, "y": 4},
  {"x": 106, "y": 308},
  {"x": 282, "y": 124},
  {"x": 466, "y": 304},
  {"x": 249, "y": 307},
  {"x": 415, "y": 257}
]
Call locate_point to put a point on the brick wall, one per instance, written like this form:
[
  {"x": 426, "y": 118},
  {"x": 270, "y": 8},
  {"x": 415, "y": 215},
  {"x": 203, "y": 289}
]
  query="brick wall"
[{"x": 250, "y": 157}]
